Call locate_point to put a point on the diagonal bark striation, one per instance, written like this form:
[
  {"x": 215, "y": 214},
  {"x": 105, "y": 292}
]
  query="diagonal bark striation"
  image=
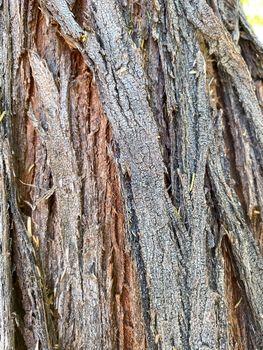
[{"x": 131, "y": 175}]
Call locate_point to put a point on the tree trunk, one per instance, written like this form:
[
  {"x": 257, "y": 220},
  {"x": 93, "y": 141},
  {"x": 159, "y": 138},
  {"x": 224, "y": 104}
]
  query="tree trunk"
[{"x": 131, "y": 185}]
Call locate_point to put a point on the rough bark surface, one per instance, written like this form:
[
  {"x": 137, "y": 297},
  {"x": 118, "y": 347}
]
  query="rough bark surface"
[{"x": 131, "y": 186}]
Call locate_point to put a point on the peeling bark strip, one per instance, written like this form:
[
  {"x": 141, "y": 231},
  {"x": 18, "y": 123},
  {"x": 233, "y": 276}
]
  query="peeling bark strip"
[
  {"x": 131, "y": 176},
  {"x": 67, "y": 188}
]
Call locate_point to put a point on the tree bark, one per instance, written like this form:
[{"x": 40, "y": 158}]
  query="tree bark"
[{"x": 131, "y": 186}]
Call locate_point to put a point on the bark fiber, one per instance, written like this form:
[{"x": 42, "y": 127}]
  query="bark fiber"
[{"x": 131, "y": 187}]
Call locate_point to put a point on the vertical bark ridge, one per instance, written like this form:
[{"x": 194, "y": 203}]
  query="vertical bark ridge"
[{"x": 6, "y": 317}]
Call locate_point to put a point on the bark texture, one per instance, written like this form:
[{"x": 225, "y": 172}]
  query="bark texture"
[{"x": 131, "y": 186}]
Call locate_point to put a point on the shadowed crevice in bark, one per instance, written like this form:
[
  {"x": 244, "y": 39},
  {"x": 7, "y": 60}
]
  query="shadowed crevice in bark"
[
  {"x": 244, "y": 333},
  {"x": 213, "y": 236},
  {"x": 219, "y": 99},
  {"x": 246, "y": 184},
  {"x": 236, "y": 142},
  {"x": 17, "y": 309}
]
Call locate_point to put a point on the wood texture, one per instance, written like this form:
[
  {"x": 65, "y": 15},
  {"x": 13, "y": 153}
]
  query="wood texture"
[{"x": 131, "y": 176}]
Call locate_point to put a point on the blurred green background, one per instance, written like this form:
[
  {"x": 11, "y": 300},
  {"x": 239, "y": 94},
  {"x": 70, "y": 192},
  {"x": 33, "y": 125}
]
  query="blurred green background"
[{"x": 254, "y": 12}]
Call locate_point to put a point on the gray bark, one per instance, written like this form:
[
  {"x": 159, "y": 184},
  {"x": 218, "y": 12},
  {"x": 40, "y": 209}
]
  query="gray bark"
[{"x": 131, "y": 176}]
